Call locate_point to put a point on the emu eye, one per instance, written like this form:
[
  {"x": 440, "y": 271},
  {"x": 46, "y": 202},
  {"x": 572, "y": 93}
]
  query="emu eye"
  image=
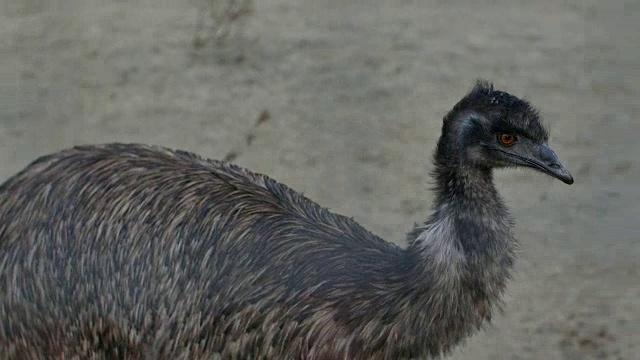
[{"x": 508, "y": 139}]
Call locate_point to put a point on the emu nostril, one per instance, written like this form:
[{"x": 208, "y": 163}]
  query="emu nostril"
[{"x": 554, "y": 166}]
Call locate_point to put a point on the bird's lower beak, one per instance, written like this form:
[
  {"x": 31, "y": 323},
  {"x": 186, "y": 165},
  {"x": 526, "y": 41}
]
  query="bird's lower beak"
[{"x": 547, "y": 161}]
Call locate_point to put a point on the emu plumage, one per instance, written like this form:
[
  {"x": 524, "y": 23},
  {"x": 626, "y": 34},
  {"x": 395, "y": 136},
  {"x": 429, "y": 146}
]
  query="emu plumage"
[{"x": 136, "y": 251}]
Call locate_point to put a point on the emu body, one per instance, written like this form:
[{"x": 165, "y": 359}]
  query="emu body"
[{"x": 136, "y": 251}]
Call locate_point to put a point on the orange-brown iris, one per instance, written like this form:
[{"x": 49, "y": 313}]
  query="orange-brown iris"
[{"x": 508, "y": 139}]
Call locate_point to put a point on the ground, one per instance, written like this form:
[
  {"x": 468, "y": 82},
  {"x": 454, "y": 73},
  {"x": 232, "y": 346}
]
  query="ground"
[{"x": 343, "y": 100}]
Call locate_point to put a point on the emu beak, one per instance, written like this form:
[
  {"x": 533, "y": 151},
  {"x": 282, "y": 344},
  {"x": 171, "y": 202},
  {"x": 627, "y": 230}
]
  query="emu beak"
[{"x": 547, "y": 161}]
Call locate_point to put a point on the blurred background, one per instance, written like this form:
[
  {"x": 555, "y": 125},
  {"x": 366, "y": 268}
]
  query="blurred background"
[{"x": 343, "y": 100}]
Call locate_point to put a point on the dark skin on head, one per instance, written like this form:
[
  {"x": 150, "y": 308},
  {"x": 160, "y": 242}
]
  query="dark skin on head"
[{"x": 501, "y": 131}]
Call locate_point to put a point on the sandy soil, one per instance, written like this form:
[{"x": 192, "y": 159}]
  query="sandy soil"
[{"x": 343, "y": 100}]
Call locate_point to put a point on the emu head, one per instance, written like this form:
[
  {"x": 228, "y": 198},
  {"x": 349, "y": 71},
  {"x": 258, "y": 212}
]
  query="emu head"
[{"x": 492, "y": 129}]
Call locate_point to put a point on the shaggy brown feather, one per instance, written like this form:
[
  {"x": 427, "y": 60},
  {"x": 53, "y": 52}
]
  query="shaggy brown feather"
[{"x": 132, "y": 251}]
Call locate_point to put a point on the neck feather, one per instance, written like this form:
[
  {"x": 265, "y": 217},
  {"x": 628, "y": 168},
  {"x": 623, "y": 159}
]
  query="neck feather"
[
  {"x": 451, "y": 276},
  {"x": 462, "y": 255},
  {"x": 469, "y": 230}
]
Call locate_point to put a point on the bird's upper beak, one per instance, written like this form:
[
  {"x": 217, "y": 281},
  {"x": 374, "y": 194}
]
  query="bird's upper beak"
[
  {"x": 541, "y": 158},
  {"x": 546, "y": 161}
]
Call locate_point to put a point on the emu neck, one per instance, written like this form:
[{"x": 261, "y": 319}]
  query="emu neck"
[
  {"x": 467, "y": 239},
  {"x": 458, "y": 260}
]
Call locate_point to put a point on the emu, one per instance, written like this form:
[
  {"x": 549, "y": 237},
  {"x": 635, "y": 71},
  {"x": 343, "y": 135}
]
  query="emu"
[{"x": 134, "y": 251}]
